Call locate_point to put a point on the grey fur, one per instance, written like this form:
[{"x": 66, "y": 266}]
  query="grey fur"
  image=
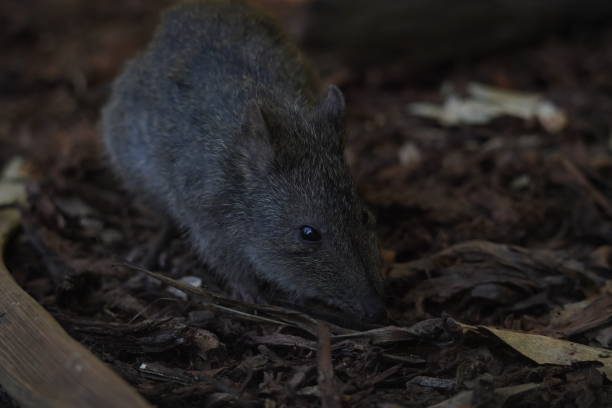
[{"x": 218, "y": 123}]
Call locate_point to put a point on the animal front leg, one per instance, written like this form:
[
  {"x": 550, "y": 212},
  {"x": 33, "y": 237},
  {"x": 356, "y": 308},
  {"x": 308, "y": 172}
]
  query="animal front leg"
[
  {"x": 245, "y": 288},
  {"x": 159, "y": 241}
]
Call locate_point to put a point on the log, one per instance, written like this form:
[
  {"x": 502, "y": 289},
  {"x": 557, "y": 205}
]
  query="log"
[
  {"x": 430, "y": 32},
  {"x": 40, "y": 365}
]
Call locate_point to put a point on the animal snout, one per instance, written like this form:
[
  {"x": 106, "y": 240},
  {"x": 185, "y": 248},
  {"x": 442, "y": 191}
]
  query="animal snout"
[{"x": 373, "y": 307}]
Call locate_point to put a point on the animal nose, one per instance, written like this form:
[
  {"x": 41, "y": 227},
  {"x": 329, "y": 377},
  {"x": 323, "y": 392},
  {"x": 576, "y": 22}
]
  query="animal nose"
[{"x": 373, "y": 308}]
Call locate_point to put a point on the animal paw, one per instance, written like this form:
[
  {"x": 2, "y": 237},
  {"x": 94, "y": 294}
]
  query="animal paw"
[{"x": 247, "y": 292}]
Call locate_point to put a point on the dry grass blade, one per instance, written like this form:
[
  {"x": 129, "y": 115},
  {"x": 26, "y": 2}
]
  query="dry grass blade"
[
  {"x": 431, "y": 329},
  {"x": 507, "y": 256},
  {"x": 597, "y": 197},
  {"x": 266, "y": 314}
]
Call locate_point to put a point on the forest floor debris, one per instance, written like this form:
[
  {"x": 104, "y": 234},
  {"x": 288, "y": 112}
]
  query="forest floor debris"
[{"x": 505, "y": 225}]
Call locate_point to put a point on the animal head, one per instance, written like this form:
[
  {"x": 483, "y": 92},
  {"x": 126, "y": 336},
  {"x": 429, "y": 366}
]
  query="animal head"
[{"x": 310, "y": 235}]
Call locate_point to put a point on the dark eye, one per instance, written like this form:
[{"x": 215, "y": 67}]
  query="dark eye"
[{"x": 309, "y": 233}]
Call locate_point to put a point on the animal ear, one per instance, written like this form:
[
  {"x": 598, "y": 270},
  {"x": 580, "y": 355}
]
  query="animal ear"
[
  {"x": 333, "y": 106},
  {"x": 254, "y": 145}
]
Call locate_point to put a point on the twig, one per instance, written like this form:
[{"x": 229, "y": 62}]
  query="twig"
[
  {"x": 580, "y": 178},
  {"x": 159, "y": 372},
  {"x": 330, "y": 397}
]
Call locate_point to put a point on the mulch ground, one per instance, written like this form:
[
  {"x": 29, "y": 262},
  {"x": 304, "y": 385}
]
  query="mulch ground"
[{"x": 502, "y": 224}]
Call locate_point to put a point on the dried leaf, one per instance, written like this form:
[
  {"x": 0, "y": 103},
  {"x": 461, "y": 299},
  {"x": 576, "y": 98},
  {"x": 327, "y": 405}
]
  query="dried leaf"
[
  {"x": 576, "y": 318},
  {"x": 548, "y": 350}
]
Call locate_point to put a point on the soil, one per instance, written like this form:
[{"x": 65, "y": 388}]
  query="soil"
[{"x": 502, "y": 224}]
